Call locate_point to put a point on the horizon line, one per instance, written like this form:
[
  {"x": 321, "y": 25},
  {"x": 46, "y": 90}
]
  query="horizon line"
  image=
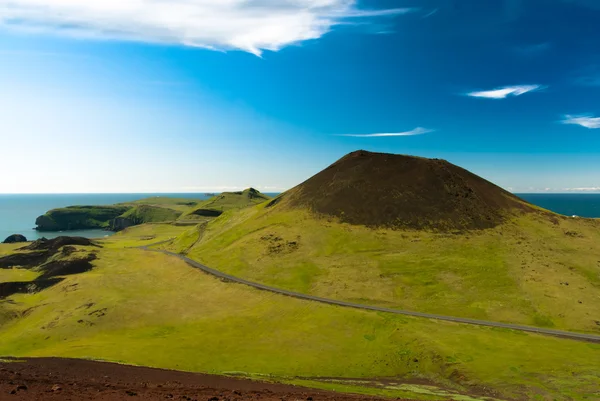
[{"x": 597, "y": 192}]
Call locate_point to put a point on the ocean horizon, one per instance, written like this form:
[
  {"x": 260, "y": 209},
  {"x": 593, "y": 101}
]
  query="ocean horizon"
[{"x": 18, "y": 212}]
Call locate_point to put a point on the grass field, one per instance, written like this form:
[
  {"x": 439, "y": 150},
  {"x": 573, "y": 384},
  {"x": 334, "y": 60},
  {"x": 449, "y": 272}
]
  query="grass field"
[
  {"x": 13, "y": 275},
  {"x": 179, "y": 204},
  {"x": 530, "y": 270},
  {"x": 135, "y": 301},
  {"x": 151, "y": 214},
  {"x": 6, "y": 249},
  {"x": 142, "y": 235}
]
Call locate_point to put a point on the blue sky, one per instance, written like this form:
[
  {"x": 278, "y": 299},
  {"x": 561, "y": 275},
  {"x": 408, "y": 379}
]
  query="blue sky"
[{"x": 207, "y": 95}]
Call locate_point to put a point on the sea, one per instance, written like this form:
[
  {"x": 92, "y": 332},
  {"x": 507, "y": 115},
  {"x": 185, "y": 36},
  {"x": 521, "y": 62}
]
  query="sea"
[{"x": 18, "y": 212}]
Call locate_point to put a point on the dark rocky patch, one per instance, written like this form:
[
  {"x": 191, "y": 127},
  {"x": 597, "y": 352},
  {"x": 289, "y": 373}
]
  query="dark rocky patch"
[
  {"x": 277, "y": 245},
  {"x": 395, "y": 191},
  {"x": 26, "y": 260},
  {"x": 15, "y": 239},
  {"x": 38, "y": 259},
  {"x": 67, "y": 267},
  {"x": 57, "y": 243},
  {"x": 187, "y": 203},
  {"x": 120, "y": 224},
  {"x": 207, "y": 212},
  {"x": 31, "y": 287}
]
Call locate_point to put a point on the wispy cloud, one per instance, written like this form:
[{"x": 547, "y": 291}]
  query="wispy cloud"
[
  {"x": 584, "y": 189},
  {"x": 249, "y": 25},
  {"x": 429, "y": 14},
  {"x": 590, "y": 80},
  {"x": 504, "y": 92},
  {"x": 586, "y": 121},
  {"x": 416, "y": 131},
  {"x": 534, "y": 49},
  {"x": 587, "y": 76}
]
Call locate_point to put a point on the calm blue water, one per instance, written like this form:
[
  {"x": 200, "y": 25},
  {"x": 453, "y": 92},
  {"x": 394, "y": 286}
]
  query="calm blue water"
[
  {"x": 582, "y": 205},
  {"x": 18, "y": 212}
]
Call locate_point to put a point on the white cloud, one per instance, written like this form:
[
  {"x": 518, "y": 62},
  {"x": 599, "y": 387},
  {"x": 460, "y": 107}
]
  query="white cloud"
[
  {"x": 429, "y": 14},
  {"x": 249, "y": 25},
  {"x": 585, "y": 121},
  {"x": 584, "y": 189},
  {"x": 502, "y": 93},
  {"x": 416, "y": 131}
]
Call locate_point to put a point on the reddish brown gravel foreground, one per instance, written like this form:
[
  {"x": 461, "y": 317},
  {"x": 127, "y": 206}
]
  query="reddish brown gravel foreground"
[{"x": 67, "y": 379}]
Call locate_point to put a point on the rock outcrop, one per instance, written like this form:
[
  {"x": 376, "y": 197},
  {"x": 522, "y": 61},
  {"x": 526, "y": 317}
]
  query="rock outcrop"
[
  {"x": 15, "y": 239},
  {"x": 79, "y": 218}
]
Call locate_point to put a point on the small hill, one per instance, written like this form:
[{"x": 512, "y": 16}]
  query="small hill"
[
  {"x": 378, "y": 189},
  {"x": 180, "y": 204},
  {"x": 15, "y": 239},
  {"x": 143, "y": 214},
  {"x": 235, "y": 200},
  {"x": 413, "y": 234},
  {"x": 227, "y": 201}
]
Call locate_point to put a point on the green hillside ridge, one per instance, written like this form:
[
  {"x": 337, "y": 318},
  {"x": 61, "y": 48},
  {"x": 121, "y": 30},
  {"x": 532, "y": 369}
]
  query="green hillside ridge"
[
  {"x": 115, "y": 217},
  {"x": 143, "y": 214},
  {"x": 150, "y": 210},
  {"x": 179, "y": 204},
  {"x": 79, "y": 218},
  {"x": 225, "y": 202}
]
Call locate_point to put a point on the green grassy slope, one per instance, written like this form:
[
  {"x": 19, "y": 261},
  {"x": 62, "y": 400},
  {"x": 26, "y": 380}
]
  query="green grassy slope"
[
  {"x": 150, "y": 214},
  {"x": 143, "y": 235},
  {"x": 180, "y": 204},
  {"x": 115, "y": 217},
  {"x": 528, "y": 271},
  {"x": 227, "y": 201},
  {"x": 135, "y": 301}
]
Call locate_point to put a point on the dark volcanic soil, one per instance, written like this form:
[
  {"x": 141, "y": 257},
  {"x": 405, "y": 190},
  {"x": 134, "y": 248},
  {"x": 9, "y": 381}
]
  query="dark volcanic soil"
[
  {"x": 27, "y": 287},
  {"x": 379, "y": 189},
  {"x": 67, "y": 267},
  {"x": 39, "y": 258},
  {"x": 61, "y": 379},
  {"x": 58, "y": 242},
  {"x": 30, "y": 259}
]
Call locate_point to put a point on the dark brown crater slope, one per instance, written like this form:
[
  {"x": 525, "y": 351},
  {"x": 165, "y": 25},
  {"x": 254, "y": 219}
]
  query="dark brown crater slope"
[{"x": 379, "y": 189}]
